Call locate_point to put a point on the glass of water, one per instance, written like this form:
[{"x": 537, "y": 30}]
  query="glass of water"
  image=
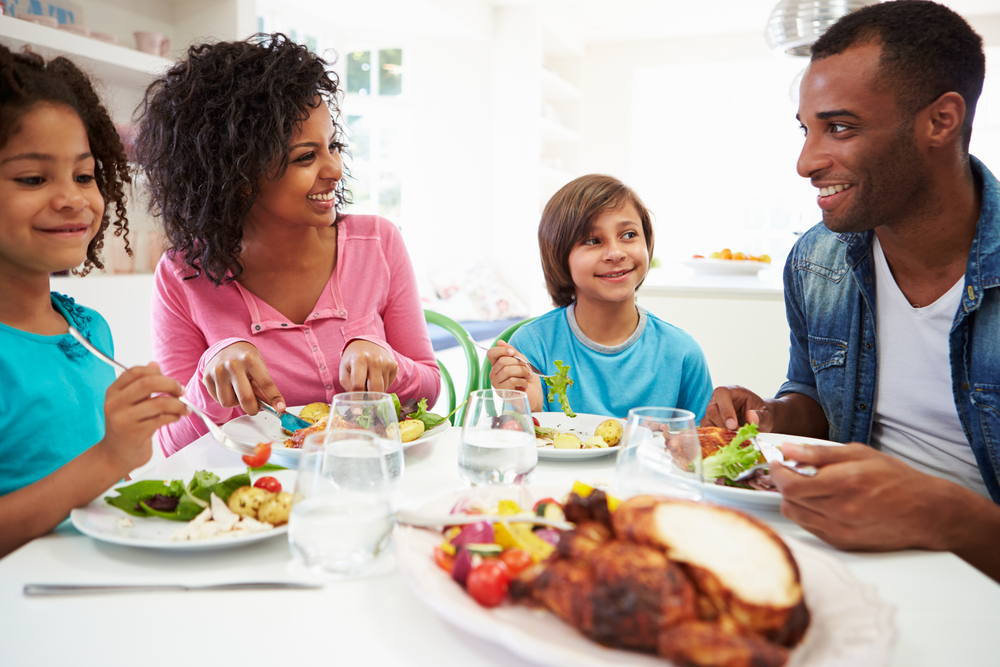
[
  {"x": 498, "y": 439},
  {"x": 371, "y": 411},
  {"x": 342, "y": 513},
  {"x": 660, "y": 454}
]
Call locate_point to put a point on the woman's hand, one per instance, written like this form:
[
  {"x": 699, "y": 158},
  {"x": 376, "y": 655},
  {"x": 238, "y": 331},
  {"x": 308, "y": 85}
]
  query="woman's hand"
[
  {"x": 135, "y": 405},
  {"x": 237, "y": 375},
  {"x": 510, "y": 372},
  {"x": 366, "y": 366}
]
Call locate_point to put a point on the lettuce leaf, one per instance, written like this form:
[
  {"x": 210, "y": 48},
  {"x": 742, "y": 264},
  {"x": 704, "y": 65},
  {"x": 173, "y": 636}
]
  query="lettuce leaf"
[
  {"x": 558, "y": 386},
  {"x": 429, "y": 419},
  {"x": 732, "y": 459}
]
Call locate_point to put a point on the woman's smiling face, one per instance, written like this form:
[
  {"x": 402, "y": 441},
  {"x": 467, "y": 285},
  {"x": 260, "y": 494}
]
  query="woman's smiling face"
[
  {"x": 610, "y": 261},
  {"x": 306, "y": 193}
]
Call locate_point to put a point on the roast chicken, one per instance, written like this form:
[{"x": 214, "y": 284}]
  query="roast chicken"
[{"x": 696, "y": 584}]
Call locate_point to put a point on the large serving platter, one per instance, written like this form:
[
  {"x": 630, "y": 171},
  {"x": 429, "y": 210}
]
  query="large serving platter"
[{"x": 850, "y": 625}]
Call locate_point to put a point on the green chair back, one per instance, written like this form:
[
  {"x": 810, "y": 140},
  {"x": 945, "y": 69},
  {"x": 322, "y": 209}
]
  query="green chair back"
[
  {"x": 471, "y": 361},
  {"x": 504, "y": 336}
]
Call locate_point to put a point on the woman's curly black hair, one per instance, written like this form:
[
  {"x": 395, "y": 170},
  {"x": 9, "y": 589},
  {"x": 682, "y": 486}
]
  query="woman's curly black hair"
[
  {"x": 215, "y": 125},
  {"x": 26, "y": 81}
]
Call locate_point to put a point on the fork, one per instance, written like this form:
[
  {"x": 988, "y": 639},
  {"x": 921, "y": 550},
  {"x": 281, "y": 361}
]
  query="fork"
[
  {"x": 805, "y": 470},
  {"x": 531, "y": 366},
  {"x": 213, "y": 428}
]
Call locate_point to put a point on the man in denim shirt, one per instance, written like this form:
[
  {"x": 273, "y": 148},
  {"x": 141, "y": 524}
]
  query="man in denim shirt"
[{"x": 894, "y": 301}]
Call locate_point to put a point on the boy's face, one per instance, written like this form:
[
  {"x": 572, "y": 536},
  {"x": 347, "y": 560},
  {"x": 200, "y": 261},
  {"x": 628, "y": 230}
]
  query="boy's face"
[
  {"x": 610, "y": 261},
  {"x": 50, "y": 206}
]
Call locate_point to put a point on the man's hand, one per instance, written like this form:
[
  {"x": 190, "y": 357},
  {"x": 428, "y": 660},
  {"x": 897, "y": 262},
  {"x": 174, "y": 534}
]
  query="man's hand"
[
  {"x": 734, "y": 406},
  {"x": 366, "y": 366},
  {"x": 863, "y": 499},
  {"x": 237, "y": 375}
]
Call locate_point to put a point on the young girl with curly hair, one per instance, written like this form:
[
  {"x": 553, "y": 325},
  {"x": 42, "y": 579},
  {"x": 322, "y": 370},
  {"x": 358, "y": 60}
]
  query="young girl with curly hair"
[
  {"x": 268, "y": 291},
  {"x": 70, "y": 429},
  {"x": 596, "y": 239}
]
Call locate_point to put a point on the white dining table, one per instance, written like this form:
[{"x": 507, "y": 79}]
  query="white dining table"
[{"x": 946, "y": 612}]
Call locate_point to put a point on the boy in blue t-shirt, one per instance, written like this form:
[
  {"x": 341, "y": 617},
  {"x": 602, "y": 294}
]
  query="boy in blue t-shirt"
[{"x": 596, "y": 239}]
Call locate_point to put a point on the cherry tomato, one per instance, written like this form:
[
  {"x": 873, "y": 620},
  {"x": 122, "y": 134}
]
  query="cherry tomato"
[
  {"x": 261, "y": 453},
  {"x": 443, "y": 560},
  {"x": 268, "y": 484},
  {"x": 535, "y": 419},
  {"x": 546, "y": 501},
  {"x": 511, "y": 425},
  {"x": 488, "y": 583},
  {"x": 516, "y": 560}
]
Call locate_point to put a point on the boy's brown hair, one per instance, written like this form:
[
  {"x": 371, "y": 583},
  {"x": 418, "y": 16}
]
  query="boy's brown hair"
[{"x": 568, "y": 218}]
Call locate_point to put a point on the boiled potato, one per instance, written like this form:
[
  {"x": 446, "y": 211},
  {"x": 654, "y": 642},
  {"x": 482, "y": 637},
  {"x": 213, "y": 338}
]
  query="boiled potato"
[
  {"x": 567, "y": 441},
  {"x": 611, "y": 431},
  {"x": 246, "y": 500},
  {"x": 593, "y": 442},
  {"x": 314, "y": 412},
  {"x": 275, "y": 510},
  {"x": 410, "y": 429}
]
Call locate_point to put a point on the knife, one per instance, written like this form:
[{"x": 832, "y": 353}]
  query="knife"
[
  {"x": 45, "y": 590},
  {"x": 773, "y": 455},
  {"x": 289, "y": 422}
]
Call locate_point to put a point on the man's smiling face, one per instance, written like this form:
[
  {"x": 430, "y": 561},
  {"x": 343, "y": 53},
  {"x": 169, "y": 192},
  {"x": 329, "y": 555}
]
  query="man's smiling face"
[{"x": 859, "y": 150}]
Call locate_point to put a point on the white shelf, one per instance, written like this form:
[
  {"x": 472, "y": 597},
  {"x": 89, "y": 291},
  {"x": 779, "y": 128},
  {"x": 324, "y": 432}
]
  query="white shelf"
[
  {"x": 558, "y": 89},
  {"x": 109, "y": 63}
]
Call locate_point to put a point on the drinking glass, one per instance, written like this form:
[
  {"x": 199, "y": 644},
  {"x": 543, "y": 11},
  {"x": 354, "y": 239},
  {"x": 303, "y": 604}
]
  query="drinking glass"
[
  {"x": 660, "y": 454},
  {"x": 498, "y": 438},
  {"x": 342, "y": 516},
  {"x": 371, "y": 411}
]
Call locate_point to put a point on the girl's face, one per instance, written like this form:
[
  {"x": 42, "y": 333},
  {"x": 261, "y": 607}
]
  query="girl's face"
[
  {"x": 50, "y": 207},
  {"x": 304, "y": 195},
  {"x": 610, "y": 261}
]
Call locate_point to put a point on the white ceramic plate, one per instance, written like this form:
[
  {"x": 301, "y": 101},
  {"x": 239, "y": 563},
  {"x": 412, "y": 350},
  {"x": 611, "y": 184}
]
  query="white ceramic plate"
[
  {"x": 582, "y": 426},
  {"x": 750, "y": 498},
  {"x": 728, "y": 267},
  {"x": 105, "y": 522},
  {"x": 264, "y": 426},
  {"x": 850, "y": 625}
]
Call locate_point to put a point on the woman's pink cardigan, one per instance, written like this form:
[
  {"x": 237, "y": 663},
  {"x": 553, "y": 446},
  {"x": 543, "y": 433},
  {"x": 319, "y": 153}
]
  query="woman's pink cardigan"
[{"x": 372, "y": 295}]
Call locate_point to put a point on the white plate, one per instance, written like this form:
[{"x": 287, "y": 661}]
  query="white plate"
[
  {"x": 103, "y": 522},
  {"x": 850, "y": 625},
  {"x": 264, "y": 426},
  {"x": 728, "y": 267},
  {"x": 582, "y": 426},
  {"x": 750, "y": 498}
]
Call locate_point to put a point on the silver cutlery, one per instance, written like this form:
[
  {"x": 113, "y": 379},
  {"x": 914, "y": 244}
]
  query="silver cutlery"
[
  {"x": 213, "y": 428},
  {"x": 773, "y": 455},
  {"x": 289, "y": 422},
  {"x": 418, "y": 520},
  {"x": 48, "y": 590},
  {"x": 531, "y": 366}
]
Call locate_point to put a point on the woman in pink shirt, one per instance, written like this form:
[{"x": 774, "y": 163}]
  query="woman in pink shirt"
[{"x": 267, "y": 290}]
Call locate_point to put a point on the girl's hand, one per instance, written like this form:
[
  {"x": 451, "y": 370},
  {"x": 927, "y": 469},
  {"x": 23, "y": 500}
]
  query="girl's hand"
[
  {"x": 510, "y": 372},
  {"x": 237, "y": 375},
  {"x": 366, "y": 366},
  {"x": 135, "y": 405}
]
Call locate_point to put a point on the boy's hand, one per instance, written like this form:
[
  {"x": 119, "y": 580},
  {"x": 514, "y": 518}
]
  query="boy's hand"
[
  {"x": 510, "y": 372},
  {"x": 135, "y": 405}
]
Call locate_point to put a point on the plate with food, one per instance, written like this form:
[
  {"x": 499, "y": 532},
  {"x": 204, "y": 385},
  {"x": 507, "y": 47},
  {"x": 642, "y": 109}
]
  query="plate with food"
[
  {"x": 562, "y": 438},
  {"x": 201, "y": 510},
  {"x": 729, "y": 267},
  {"x": 709, "y": 582},
  {"x": 725, "y": 454},
  {"x": 417, "y": 426}
]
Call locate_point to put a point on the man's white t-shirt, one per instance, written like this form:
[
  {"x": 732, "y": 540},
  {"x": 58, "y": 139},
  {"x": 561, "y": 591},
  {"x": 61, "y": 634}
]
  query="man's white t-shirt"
[{"x": 915, "y": 415}]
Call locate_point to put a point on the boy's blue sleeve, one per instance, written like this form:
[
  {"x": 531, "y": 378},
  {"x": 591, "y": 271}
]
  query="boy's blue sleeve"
[{"x": 696, "y": 384}]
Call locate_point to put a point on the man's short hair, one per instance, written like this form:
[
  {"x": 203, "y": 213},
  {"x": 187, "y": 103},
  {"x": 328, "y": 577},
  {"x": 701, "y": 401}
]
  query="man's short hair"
[{"x": 927, "y": 51}]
